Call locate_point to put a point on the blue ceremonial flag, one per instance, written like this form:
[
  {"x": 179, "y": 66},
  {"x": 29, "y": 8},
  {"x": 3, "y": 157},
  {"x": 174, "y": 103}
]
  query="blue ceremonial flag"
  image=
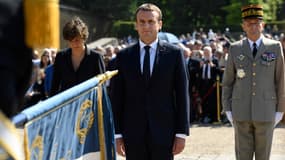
[{"x": 75, "y": 124}]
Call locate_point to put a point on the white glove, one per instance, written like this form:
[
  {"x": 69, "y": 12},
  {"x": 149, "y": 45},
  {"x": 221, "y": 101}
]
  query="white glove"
[
  {"x": 229, "y": 116},
  {"x": 278, "y": 118}
]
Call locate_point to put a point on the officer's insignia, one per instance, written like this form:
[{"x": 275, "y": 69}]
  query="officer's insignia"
[
  {"x": 241, "y": 57},
  {"x": 268, "y": 57},
  {"x": 240, "y": 73},
  {"x": 85, "y": 120},
  {"x": 37, "y": 148}
]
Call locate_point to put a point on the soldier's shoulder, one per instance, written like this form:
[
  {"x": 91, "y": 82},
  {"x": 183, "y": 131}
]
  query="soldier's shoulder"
[
  {"x": 269, "y": 41},
  {"x": 237, "y": 43}
]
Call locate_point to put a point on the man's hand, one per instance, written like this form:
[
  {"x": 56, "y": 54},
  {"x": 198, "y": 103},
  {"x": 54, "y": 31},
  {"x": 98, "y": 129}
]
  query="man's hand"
[
  {"x": 278, "y": 117},
  {"x": 230, "y": 117},
  {"x": 120, "y": 147},
  {"x": 178, "y": 145}
]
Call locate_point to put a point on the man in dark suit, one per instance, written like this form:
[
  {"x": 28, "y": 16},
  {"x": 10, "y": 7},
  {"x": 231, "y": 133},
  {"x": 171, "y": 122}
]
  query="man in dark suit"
[
  {"x": 208, "y": 76},
  {"x": 150, "y": 94}
]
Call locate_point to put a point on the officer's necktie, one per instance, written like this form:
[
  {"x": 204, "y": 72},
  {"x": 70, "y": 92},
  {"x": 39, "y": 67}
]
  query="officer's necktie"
[
  {"x": 146, "y": 65},
  {"x": 254, "y": 51}
]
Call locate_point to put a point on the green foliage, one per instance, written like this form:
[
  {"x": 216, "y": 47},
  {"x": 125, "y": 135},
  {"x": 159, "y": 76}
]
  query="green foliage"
[
  {"x": 123, "y": 28},
  {"x": 111, "y": 9},
  {"x": 179, "y": 16},
  {"x": 233, "y": 16},
  {"x": 270, "y": 8}
]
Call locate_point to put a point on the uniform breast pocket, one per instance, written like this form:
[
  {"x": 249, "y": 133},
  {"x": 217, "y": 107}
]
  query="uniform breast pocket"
[
  {"x": 267, "y": 67},
  {"x": 267, "y": 63},
  {"x": 241, "y": 61}
]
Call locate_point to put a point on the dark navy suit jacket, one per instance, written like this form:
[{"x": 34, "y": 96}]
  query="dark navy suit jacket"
[{"x": 159, "y": 109}]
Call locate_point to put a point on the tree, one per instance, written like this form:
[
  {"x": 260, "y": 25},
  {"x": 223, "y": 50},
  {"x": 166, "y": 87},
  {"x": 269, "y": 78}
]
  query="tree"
[
  {"x": 105, "y": 12},
  {"x": 270, "y": 8},
  {"x": 184, "y": 15},
  {"x": 179, "y": 16}
]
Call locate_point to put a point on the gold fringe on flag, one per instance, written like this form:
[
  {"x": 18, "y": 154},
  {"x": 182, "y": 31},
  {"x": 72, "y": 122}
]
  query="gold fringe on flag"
[
  {"x": 42, "y": 23},
  {"x": 10, "y": 139},
  {"x": 102, "y": 79},
  {"x": 101, "y": 124}
]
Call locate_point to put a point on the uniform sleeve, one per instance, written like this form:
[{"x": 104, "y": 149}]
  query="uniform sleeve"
[
  {"x": 228, "y": 82},
  {"x": 280, "y": 79}
]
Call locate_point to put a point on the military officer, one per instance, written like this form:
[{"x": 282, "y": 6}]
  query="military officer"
[{"x": 253, "y": 87}]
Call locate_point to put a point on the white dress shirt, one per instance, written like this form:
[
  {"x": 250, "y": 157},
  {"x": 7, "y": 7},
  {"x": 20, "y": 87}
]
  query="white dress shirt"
[
  {"x": 257, "y": 42},
  {"x": 152, "y": 54}
]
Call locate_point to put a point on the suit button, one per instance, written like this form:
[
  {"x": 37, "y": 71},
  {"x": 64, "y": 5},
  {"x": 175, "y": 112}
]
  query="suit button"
[
  {"x": 254, "y": 64},
  {"x": 254, "y": 74},
  {"x": 253, "y": 93},
  {"x": 254, "y": 84}
]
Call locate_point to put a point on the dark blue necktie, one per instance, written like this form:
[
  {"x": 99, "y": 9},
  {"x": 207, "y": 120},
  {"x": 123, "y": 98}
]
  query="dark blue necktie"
[
  {"x": 146, "y": 66},
  {"x": 254, "y": 51}
]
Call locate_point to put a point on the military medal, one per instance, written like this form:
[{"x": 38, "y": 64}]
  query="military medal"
[
  {"x": 267, "y": 58},
  {"x": 241, "y": 57},
  {"x": 240, "y": 73}
]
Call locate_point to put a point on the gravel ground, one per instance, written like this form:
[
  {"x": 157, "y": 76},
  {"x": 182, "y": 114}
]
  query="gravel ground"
[{"x": 216, "y": 142}]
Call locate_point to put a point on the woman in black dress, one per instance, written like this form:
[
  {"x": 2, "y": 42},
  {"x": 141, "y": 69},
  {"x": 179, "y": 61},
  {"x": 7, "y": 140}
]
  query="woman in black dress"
[{"x": 77, "y": 63}]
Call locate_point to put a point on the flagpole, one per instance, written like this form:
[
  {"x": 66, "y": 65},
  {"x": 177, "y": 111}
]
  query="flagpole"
[
  {"x": 102, "y": 78},
  {"x": 218, "y": 100},
  {"x": 101, "y": 124}
]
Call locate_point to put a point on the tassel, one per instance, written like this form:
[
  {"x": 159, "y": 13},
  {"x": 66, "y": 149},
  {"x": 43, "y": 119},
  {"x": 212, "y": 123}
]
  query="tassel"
[{"x": 42, "y": 23}]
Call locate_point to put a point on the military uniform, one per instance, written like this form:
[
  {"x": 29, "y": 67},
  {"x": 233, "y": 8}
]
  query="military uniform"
[
  {"x": 253, "y": 92},
  {"x": 254, "y": 87}
]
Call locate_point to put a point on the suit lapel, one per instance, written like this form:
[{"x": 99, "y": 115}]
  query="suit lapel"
[
  {"x": 261, "y": 48},
  {"x": 137, "y": 63},
  {"x": 157, "y": 64},
  {"x": 246, "y": 50}
]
